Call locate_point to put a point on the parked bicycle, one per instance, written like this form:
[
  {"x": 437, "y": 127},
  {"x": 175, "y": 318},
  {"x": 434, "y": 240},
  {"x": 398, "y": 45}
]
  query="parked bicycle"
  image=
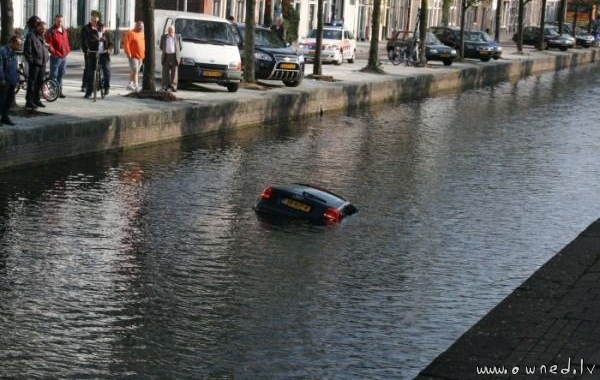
[
  {"x": 50, "y": 89},
  {"x": 98, "y": 83},
  {"x": 409, "y": 52}
]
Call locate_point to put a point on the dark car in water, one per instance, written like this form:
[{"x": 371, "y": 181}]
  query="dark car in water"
[
  {"x": 300, "y": 201},
  {"x": 552, "y": 39},
  {"x": 475, "y": 44},
  {"x": 435, "y": 50},
  {"x": 273, "y": 58}
]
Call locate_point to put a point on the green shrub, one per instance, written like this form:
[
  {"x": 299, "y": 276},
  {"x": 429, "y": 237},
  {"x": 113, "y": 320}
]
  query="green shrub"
[
  {"x": 74, "y": 37},
  {"x": 291, "y": 23}
]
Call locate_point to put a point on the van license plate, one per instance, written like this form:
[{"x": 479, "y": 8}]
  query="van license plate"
[
  {"x": 295, "y": 204},
  {"x": 289, "y": 66},
  {"x": 212, "y": 73}
]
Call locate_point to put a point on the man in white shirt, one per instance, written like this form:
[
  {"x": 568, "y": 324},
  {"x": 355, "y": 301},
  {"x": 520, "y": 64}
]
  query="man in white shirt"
[{"x": 170, "y": 45}]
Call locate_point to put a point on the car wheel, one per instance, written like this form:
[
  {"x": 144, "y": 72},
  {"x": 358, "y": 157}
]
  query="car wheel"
[
  {"x": 293, "y": 83},
  {"x": 447, "y": 62},
  {"x": 351, "y": 60},
  {"x": 485, "y": 59},
  {"x": 232, "y": 87}
]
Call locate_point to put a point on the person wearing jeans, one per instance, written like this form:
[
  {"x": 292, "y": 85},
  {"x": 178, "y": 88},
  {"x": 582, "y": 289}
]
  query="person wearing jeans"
[{"x": 58, "y": 44}]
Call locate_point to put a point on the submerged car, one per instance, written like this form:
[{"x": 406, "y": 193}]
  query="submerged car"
[
  {"x": 302, "y": 201},
  {"x": 273, "y": 58},
  {"x": 434, "y": 49}
]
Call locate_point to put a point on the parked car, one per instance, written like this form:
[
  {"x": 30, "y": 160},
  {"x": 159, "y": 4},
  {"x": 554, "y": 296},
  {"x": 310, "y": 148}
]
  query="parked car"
[
  {"x": 531, "y": 36},
  {"x": 273, "y": 58},
  {"x": 497, "y": 53},
  {"x": 338, "y": 44},
  {"x": 582, "y": 37},
  {"x": 475, "y": 45},
  {"x": 209, "y": 50},
  {"x": 304, "y": 202},
  {"x": 434, "y": 49}
]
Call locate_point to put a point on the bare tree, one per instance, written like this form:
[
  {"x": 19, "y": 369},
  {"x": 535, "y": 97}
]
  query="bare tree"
[
  {"x": 148, "y": 82},
  {"x": 520, "y": 17},
  {"x": 317, "y": 67},
  {"x": 373, "y": 63},
  {"x": 466, "y": 4},
  {"x": 541, "y": 45},
  {"x": 6, "y": 20},
  {"x": 249, "y": 43},
  {"x": 423, "y": 32},
  {"x": 497, "y": 23}
]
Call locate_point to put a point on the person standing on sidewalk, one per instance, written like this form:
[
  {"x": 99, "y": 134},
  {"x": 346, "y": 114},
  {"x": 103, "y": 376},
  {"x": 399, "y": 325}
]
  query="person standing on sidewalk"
[
  {"x": 170, "y": 45},
  {"x": 8, "y": 76},
  {"x": 58, "y": 44},
  {"x": 37, "y": 57},
  {"x": 96, "y": 40},
  {"x": 279, "y": 28},
  {"x": 134, "y": 45}
]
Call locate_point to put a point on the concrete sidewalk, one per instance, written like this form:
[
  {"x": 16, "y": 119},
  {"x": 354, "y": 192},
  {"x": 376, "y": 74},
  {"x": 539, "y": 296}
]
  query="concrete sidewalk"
[
  {"x": 549, "y": 327},
  {"x": 75, "y": 125}
]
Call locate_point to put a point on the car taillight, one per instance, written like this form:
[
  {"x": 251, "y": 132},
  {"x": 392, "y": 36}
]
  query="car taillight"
[
  {"x": 332, "y": 215},
  {"x": 266, "y": 195}
]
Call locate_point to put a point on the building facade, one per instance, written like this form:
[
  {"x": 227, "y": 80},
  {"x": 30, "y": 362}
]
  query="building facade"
[{"x": 76, "y": 12}]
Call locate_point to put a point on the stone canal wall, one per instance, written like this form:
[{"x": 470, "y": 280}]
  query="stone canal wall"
[
  {"x": 72, "y": 133},
  {"x": 548, "y": 328}
]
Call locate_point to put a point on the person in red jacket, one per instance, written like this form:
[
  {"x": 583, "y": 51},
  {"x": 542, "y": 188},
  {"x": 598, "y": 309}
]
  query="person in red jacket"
[{"x": 58, "y": 44}]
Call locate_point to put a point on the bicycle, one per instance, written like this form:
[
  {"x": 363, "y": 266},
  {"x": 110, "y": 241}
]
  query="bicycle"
[
  {"x": 409, "y": 51},
  {"x": 50, "y": 89},
  {"x": 98, "y": 83}
]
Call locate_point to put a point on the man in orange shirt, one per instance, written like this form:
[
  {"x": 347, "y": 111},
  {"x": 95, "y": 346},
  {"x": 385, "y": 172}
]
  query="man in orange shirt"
[{"x": 134, "y": 45}]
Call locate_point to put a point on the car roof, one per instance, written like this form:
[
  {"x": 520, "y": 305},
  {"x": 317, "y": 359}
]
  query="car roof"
[
  {"x": 317, "y": 192},
  {"x": 242, "y": 25}
]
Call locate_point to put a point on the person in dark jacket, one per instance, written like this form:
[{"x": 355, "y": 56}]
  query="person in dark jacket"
[
  {"x": 96, "y": 40},
  {"x": 8, "y": 76},
  {"x": 37, "y": 57},
  {"x": 279, "y": 28}
]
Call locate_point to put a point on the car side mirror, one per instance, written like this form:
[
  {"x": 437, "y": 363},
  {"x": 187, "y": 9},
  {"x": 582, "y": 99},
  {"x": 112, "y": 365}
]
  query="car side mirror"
[{"x": 287, "y": 44}]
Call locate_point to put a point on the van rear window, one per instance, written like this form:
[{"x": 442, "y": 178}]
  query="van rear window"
[{"x": 205, "y": 31}]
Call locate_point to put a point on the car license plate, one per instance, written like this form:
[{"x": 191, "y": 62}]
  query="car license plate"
[
  {"x": 212, "y": 73},
  {"x": 484, "y": 52},
  {"x": 444, "y": 55},
  {"x": 296, "y": 205},
  {"x": 289, "y": 66}
]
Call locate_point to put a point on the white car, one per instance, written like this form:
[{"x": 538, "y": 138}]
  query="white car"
[{"x": 338, "y": 44}]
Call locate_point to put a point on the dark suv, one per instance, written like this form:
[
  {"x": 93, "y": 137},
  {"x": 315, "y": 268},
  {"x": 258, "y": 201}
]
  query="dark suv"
[
  {"x": 273, "y": 58},
  {"x": 531, "y": 36},
  {"x": 476, "y": 45}
]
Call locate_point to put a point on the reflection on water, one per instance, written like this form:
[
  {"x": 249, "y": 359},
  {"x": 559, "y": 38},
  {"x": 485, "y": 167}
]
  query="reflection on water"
[{"x": 151, "y": 263}]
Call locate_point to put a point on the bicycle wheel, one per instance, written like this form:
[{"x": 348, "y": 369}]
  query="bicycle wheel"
[
  {"x": 50, "y": 89},
  {"x": 101, "y": 84},
  {"x": 398, "y": 55},
  {"x": 95, "y": 85}
]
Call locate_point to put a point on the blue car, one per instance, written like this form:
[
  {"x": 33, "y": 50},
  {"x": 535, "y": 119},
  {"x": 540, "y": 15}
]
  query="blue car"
[
  {"x": 300, "y": 201},
  {"x": 273, "y": 58}
]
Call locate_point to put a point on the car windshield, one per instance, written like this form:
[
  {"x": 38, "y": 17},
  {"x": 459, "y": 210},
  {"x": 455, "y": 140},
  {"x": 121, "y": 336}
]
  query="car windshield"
[
  {"x": 328, "y": 34},
  {"x": 551, "y": 32},
  {"x": 206, "y": 31},
  {"x": 486, "y": 37},
  {"x": 473, "y": 37},
  {"x": 265, "y": 38}
]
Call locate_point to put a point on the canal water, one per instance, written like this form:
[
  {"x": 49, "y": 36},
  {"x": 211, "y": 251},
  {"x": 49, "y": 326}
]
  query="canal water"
[{"x": 151, "y": 264}]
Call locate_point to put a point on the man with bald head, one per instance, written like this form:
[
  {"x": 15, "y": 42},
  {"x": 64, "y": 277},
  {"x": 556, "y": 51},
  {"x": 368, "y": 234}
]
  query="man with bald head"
[
  {"x": 170, "y": 45},
  {"x": 134, "y": 45}
]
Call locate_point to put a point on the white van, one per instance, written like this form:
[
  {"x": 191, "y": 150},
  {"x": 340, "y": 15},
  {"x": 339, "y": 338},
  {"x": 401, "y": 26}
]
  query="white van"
[{"x": 210, "y": 48}]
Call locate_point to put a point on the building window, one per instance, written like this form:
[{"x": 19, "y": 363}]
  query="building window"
[
  {"x": 103, "y": 9},
  {"x": 54, "y": 9},
  {"x": 123, "y": 14},
  {"x": 29, "y": 9},
  {"x": 216, "y": 8}
]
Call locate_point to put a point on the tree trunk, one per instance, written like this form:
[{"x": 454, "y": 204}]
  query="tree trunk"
[
  {"x": 374, "y": 47},
  {"x": 148, "y": 82},
  {"x": 249, "y": 43},
  {"x": 498, "y": 18},
  {"x": 561, "y": 16},
  {"x": 520, "y": 26},
  {"x": 445, "y": 11},
  {"x": 317, "y": 67},
  {"x": 423, "y": 33},
  {"x": 541, "y": 44},
  {"x": 463, "y": 12},
  {"x": 575, "y": 18},
  {"x": 6, "y": 20}
]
